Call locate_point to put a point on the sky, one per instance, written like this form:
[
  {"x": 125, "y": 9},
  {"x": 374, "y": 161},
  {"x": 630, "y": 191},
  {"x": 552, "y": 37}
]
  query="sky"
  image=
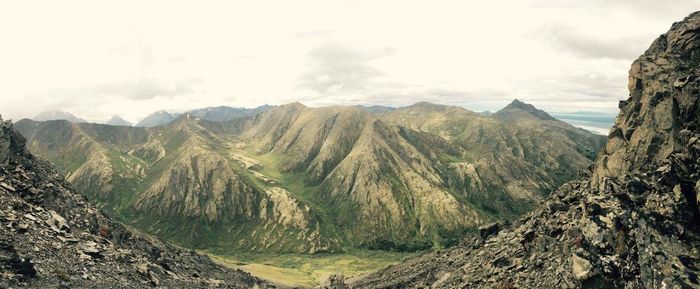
[{"x": 130, "y": 58}]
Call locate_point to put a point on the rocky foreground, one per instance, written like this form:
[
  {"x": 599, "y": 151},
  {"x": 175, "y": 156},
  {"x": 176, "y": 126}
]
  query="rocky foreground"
[
  {"x": 633, "y": 223},
  {"x": 51, "y": 237}
]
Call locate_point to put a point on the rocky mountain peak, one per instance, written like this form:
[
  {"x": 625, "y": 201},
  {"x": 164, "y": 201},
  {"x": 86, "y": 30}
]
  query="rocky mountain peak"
[
  {"x": 118, "y": 121},
  {"x": 529, "y": 108},
  {"x": 660, "y": 119}
]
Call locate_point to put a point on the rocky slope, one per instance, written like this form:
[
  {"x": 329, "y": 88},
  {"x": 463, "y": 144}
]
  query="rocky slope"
[
  {"x": 516, "y": 156},
  {"x": 208, "y": 198},
  {"x": 178, "y": 182},
  {"x": 632, "y": 224},
  {"x": 52, "y": 237},
  {"x": 382, "y": 190},
  {"x": 300, "y": 179}
]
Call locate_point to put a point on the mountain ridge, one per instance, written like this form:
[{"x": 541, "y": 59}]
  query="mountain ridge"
[{"x": 332, "y": 167}]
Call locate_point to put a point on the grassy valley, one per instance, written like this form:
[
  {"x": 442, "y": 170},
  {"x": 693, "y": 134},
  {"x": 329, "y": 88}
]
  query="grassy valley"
[
  {"x": 293, "y": 192},
  {"x": 306, "y": 271}
]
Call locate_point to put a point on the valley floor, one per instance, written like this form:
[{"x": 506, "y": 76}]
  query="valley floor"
[{"x": 307, "y": 271}]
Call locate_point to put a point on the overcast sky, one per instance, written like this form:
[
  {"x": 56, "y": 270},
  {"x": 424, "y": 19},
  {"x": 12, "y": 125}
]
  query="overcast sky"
[{"x": 132, "y": 58}]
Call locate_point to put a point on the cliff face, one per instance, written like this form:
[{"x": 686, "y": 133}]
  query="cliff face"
[
  {"x": 53, "y": 238},
  {"x": 632, "y": 224},
  {"x": 660, "y": 116}
]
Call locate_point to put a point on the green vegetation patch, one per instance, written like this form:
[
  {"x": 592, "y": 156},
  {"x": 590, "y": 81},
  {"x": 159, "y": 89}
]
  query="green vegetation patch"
[{"x": 306, "y": 271}]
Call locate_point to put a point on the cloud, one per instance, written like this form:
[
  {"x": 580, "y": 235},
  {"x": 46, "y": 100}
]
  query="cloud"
[
  {"x": 313, "y": 33},
  {"x": 409, "y": 95},
  {"x": 588, "y": 86},
  {"x": 568, "y": 39},
  {"x": 343, "y": 75},
  {"x": 653, "y": 8},
  {"x": 146, "y": 88},
  {"x": 337, "y": 69},
  {"x": 321, "y": 54}
]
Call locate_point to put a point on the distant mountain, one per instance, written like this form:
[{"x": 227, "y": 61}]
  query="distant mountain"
[
  {"x": 300, "y": 179},
  {"x": 57, "y": 115},
  {"x": 520, "y": 107},
  {"x": 219, "y": 113},
  {"x": 118, "y": 121},
  {"x": 226, "y": 113},
  {"x": 375, "y": 108},
  {"x": 157, "y": 118}
]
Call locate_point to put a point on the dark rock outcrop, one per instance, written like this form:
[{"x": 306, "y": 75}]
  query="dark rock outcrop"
[
  {"x": 632, "y": 224},
  {"x": 51, "y": 237}
]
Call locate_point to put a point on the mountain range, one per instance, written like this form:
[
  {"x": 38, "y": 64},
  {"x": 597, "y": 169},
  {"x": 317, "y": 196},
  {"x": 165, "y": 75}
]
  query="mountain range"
[
  {"x": 219, "y": 113},
  {"x": 298, "y": 179}
]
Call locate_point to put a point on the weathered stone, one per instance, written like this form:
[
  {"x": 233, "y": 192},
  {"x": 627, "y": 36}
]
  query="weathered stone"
[
  {"x": 7, "y": 187},
  {"x": 56, "y": 222},
  {"x": 581, "y": 268}
]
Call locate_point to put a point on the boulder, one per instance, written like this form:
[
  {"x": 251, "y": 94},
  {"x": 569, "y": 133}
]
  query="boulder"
[
  {"x": 581, "y": 267},
  {"x": 486, "y": 231}
]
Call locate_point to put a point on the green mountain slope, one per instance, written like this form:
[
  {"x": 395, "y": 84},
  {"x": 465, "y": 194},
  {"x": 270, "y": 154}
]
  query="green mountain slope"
[{"x": 299, "y": 179}]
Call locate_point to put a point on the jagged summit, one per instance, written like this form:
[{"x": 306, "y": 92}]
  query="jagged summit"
[
  {"x": 662, "y": 112},
  {"x": 517, "y": 105}
]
